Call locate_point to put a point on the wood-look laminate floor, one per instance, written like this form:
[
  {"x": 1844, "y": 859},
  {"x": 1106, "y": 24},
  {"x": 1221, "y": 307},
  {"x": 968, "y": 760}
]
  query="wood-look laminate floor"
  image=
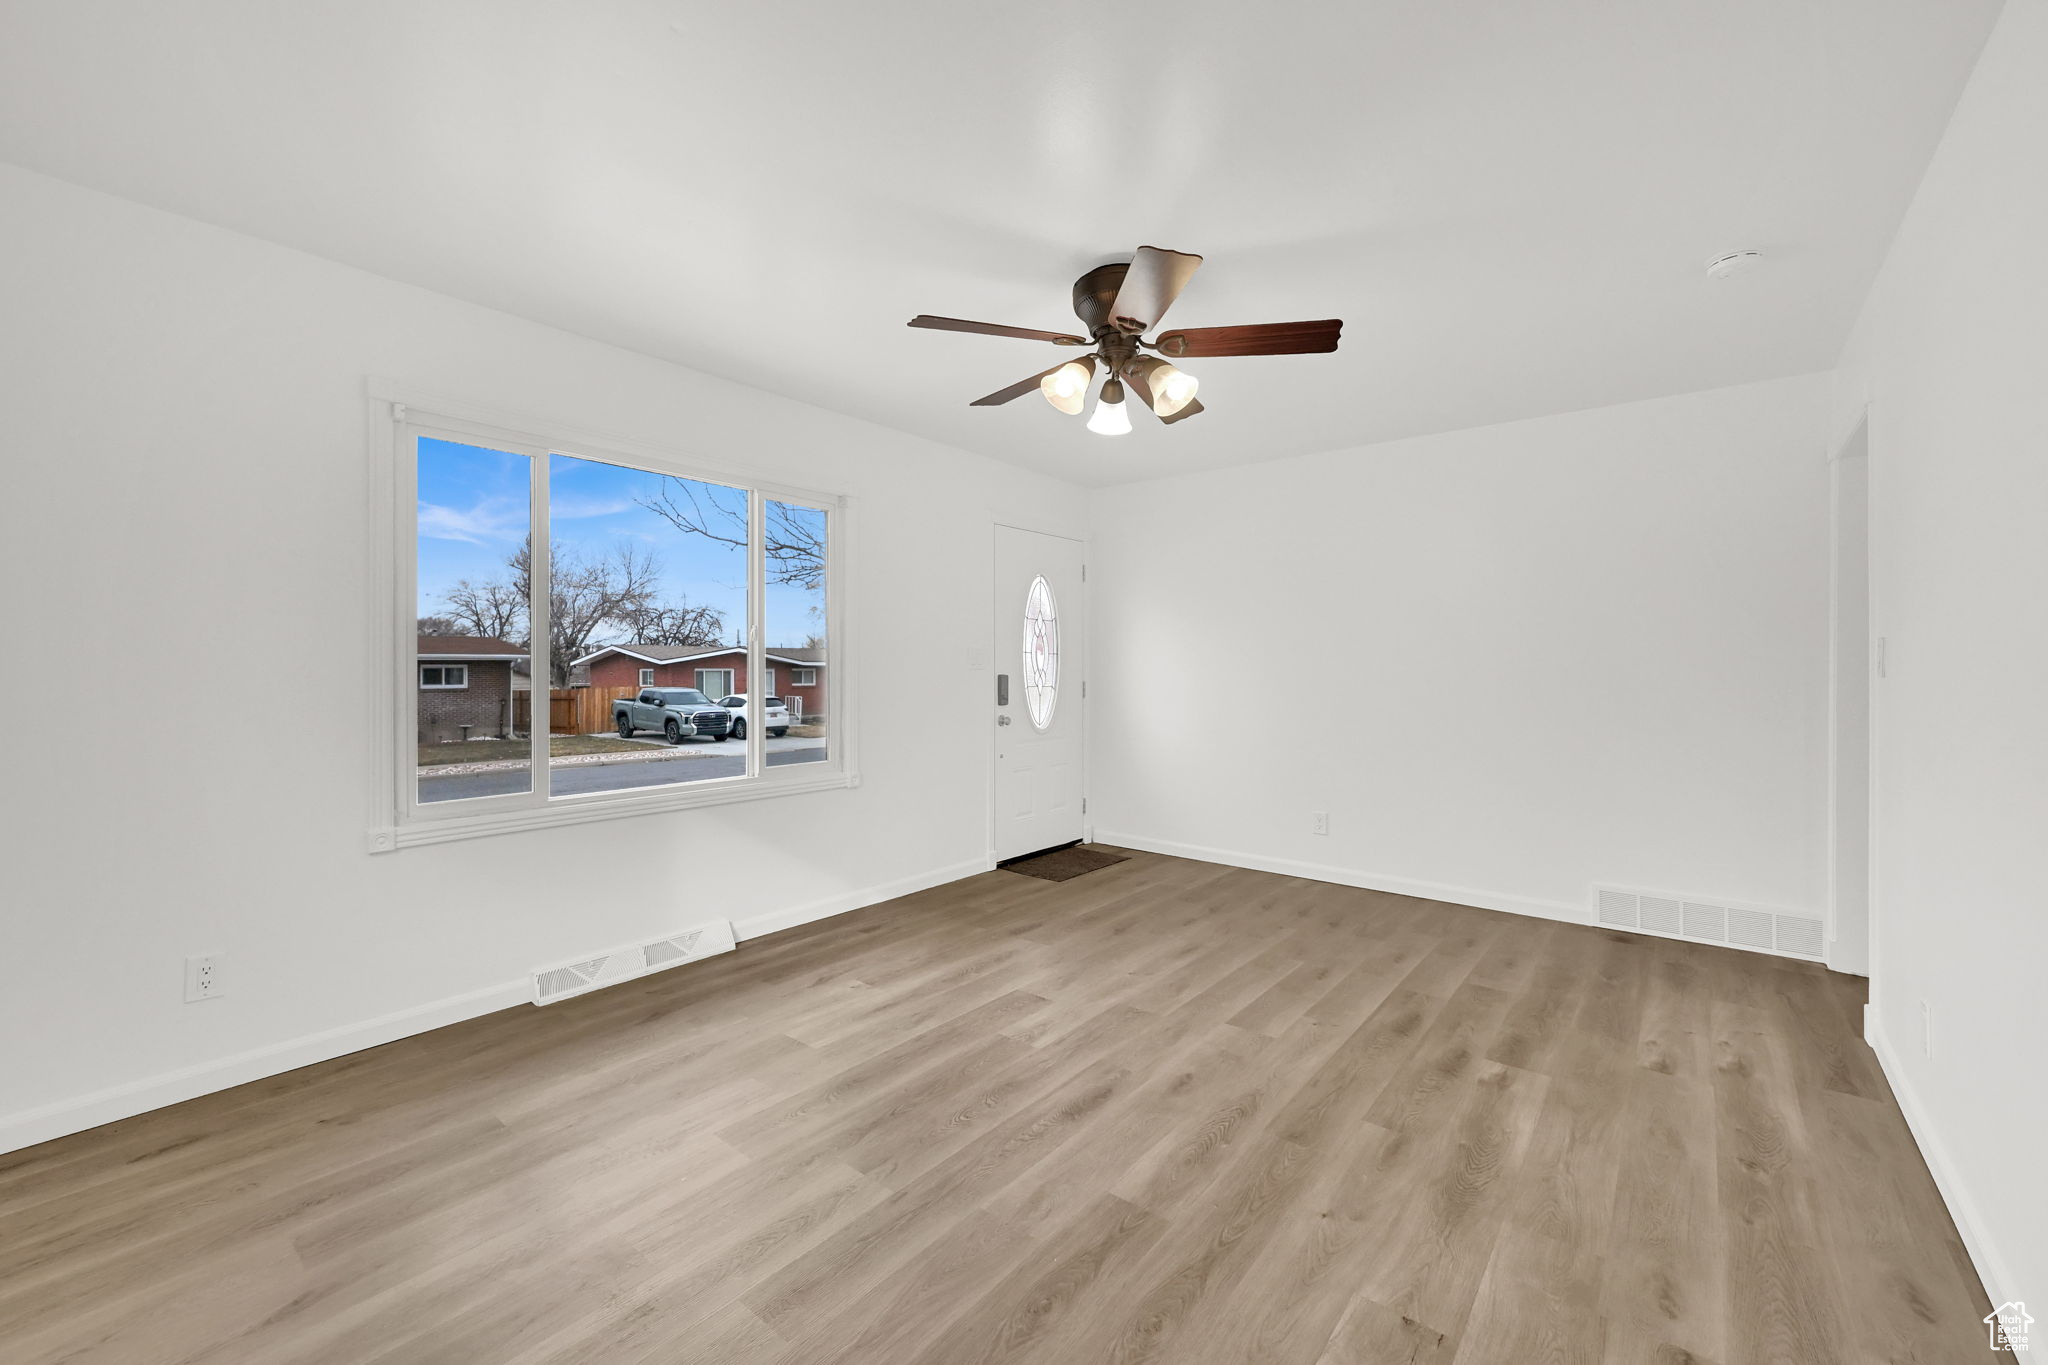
[{"x": 1167, "y": 1111}]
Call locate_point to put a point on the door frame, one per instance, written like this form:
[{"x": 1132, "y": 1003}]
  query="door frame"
[
  {"x": 987, "y": 667},
  {"x": 1853, "y": 443}
]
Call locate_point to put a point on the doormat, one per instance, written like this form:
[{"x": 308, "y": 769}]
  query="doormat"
[{"x": 1064, "y": 864}]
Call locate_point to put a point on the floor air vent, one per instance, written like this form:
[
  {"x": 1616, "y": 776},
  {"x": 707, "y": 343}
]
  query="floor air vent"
[
  {"x": 1662, "y": 914},
  {"x": 1738, "y": 926},
  {"x": 623, "y": 964},
  {"x": 1709, "y": 922},
  {"x": 1619, "y": 908}
]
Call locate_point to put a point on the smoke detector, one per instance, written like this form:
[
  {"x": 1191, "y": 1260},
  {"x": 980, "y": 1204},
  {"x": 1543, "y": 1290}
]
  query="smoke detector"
[{"x": 1734, "y": 263}]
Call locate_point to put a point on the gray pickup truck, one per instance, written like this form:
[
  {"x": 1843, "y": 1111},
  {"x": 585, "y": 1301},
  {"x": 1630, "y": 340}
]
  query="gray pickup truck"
[{"x": 678, "y": 712}]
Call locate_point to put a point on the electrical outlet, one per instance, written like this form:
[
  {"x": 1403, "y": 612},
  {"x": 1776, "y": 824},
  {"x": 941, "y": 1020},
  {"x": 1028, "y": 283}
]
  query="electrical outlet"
[
  {"x": 203, "y": 977},
  {"x": 1927, "y": 1028},
  {"x": 1319, "y": 822}
]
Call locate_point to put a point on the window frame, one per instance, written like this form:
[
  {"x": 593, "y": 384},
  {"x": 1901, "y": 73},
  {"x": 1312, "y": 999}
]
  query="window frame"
[
  {"x": 731, "y": 677},
  {"x": 803, "y": 677},
  {"x": 444, "y": 685},
  {"x": 646, "y": 677},
  {"x": 397, "y": 418}
]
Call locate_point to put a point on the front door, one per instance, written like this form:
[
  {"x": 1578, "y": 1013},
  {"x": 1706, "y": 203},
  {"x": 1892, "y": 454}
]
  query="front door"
[{"x": 1040, "y": 650}]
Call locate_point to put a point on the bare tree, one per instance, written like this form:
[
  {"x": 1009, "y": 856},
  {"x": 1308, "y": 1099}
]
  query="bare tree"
[
  {"x": 677, "y": 623},
  {"x": 794, "y": 537},
  {"x": 494, "y": 609},
  {"x": 587, "y": 595},
  {"x": 592, "y": 602}
]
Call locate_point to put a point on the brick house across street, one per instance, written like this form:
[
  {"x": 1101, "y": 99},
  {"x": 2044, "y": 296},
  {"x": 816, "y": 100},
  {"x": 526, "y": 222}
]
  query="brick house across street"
[
  {"x": 796, "y": 674},
  {"x": 465, "y": 687}
]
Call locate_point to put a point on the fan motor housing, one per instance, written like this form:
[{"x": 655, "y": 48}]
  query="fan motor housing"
[{"x": 1095, "y": 291}]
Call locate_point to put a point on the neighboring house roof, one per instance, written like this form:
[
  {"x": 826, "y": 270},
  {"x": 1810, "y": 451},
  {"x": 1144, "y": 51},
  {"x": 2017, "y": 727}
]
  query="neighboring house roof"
[
  {"x": 432, "y": 647},
  {"x": 675, "y": 654},
  {"x": 522, "y": 674}
]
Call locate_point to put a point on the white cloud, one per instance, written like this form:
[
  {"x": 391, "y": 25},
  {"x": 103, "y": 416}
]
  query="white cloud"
[
  {"x": 580, "y": 509},
  {"x": 493, "y": 519}
]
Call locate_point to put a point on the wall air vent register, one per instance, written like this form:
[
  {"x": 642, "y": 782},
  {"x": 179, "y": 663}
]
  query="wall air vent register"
[{"x": 1707, "y": 920}]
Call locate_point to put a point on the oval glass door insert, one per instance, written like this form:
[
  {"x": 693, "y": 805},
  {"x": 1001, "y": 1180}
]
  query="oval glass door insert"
[{"x": 1041, "y": 652}]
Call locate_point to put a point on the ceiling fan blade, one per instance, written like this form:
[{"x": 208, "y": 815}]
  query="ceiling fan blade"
[
  {"x": 1150, "y": 286},
  {"x": 1137, "y": 390},
  {"x": 994, "y": 329},
  {"x": 1267, "y": 338},
  {"x": 1016, "y": 390}
]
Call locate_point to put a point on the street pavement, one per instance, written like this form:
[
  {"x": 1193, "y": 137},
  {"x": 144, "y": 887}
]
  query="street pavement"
[{"x": 706, "y": 759}]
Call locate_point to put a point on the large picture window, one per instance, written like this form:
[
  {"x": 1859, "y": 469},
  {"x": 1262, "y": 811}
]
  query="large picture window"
[{"x": 617, "y": 662}]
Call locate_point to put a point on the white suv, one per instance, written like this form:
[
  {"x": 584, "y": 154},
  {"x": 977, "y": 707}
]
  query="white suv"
[{"x": 775, "y": 720}]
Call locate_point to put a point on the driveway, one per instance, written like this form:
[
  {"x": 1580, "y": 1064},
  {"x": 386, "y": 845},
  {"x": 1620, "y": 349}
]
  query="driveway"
[{"x": 690, "y": 761}]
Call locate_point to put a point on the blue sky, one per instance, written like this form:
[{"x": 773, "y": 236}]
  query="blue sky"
[{"x": 473, "y": 515}]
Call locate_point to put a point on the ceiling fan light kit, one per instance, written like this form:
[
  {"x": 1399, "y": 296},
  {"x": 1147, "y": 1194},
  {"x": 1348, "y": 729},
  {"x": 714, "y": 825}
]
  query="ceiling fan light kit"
[
  {"x": 1119, "y": 303},
  {"x": 1111, "y": 417},
  {"x": 1168, "y": 388},
  {"x": 1066, "y": 388}
]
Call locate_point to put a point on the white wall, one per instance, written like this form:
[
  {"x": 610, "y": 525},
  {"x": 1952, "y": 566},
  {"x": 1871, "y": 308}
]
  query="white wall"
[
  {"x": 1951, "y": 356},
  {"x": 1509, "y": 662},
  {"x": 185, "y": 529}
]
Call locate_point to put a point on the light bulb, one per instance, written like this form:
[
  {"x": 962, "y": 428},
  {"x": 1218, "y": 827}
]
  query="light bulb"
[
  {"x": 1169, "y": 389},
  {"x": 1067, "y": 387},
  {"x": 1111, "y": 417},
  {"x": 1172, "y": 390}
]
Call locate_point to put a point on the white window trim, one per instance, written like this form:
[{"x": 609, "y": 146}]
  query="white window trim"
[
  {"x": 713, "y": 693},
  {"x": 803, "y": 677},
  {"x": 647, "y": 677},
  {"x": 444, "y": 685},
  {"x": 398, "y": 819}
]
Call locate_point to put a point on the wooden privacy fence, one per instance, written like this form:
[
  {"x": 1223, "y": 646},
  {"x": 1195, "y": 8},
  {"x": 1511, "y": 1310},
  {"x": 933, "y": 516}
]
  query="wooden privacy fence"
[
  {"x": 571, "y": 710},
  {"x": 590, "y": 708}
]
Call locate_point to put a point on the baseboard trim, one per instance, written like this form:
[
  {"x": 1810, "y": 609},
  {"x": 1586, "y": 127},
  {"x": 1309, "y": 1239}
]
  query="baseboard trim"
[
  {"x": 1992, "y": 1270},
  {"x": 31, "y": 1126},
  {"x": 754, "y": 926},
  {"x": 1345, "y": 876}
]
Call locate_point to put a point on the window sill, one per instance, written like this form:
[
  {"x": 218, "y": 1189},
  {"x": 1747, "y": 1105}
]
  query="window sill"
[{"x": 584, "y": 810}]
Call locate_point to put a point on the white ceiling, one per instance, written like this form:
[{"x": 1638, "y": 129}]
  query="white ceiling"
[{"x": 1509, "y": 202}]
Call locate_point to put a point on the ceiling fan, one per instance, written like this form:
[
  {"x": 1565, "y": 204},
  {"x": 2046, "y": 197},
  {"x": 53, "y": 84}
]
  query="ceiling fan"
[{"x": 1119, "y": 303}]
